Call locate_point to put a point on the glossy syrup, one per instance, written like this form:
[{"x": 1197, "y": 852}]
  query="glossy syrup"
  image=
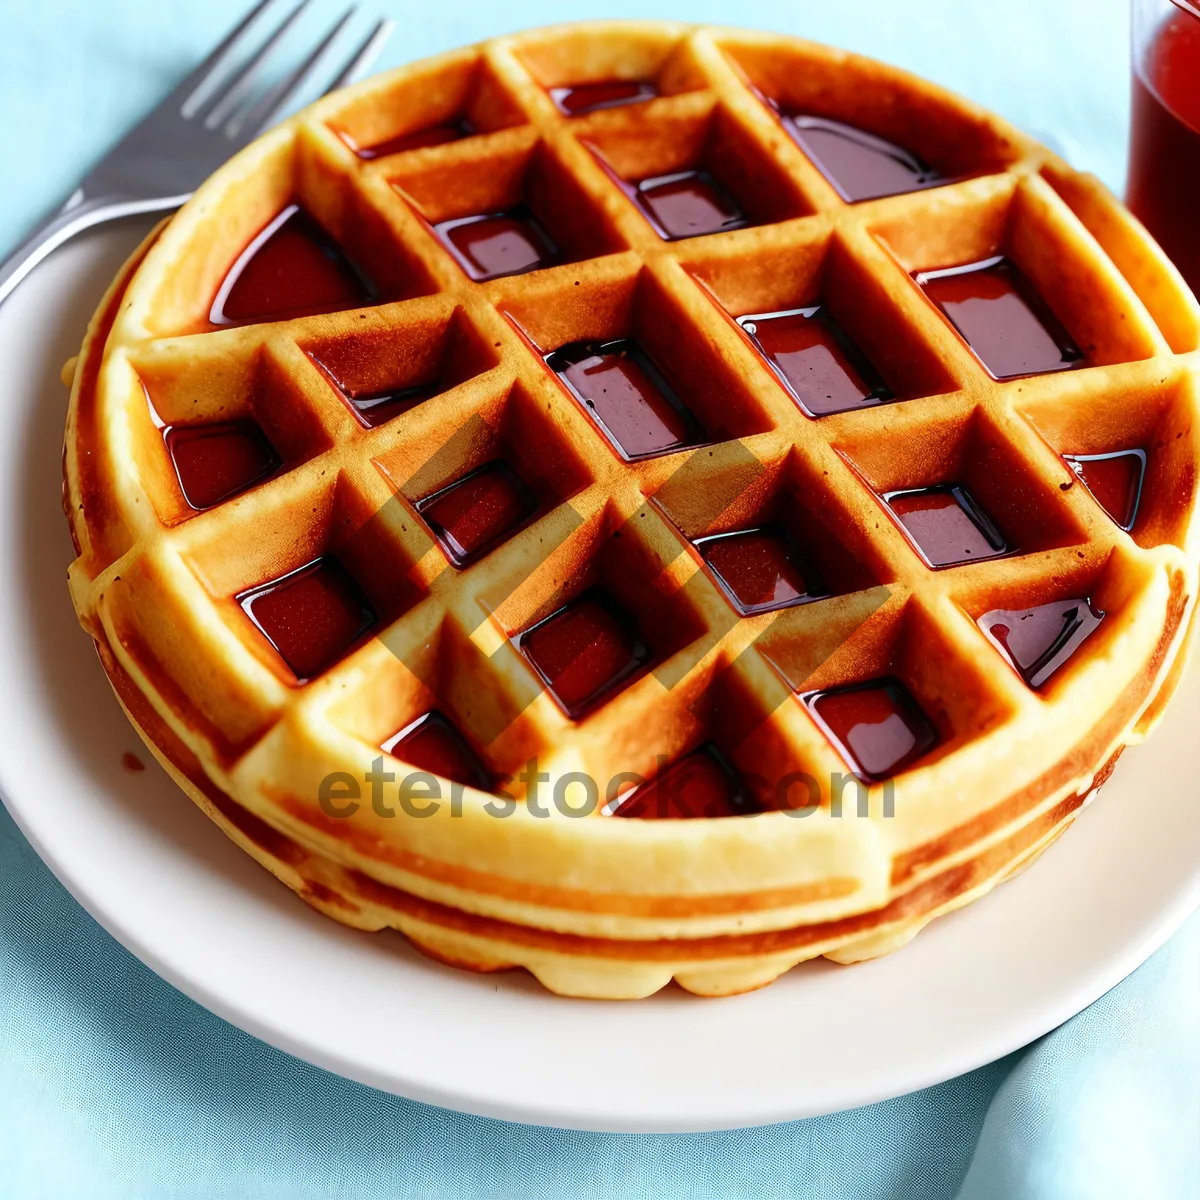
[
  {"x": 585, "y": 652},
  {"x": 877, "y": 726},
  {"x": 946, "y": 525},
  {"x": 217, "y": 462},
  {"x": 478, "y": 512},
  {"x": 586, "y": 98},
  {"x": 628, "y": 396},
  {"x": 1037, "y": 641},
  {"x": 702, "y": 784},
  {"x": 493, "y": 245},
  {"x": 860, "y": 165},
  {"x": 377, "y": 408},
  {"x": 761, "y": 570},
  {"x": 291, "y": 269},
  {"x": 432, "y": 743},
  {"x": 418, "y": 139},
  {"x": 1114, "y": 480},
  {"x": 312, "y": 616},
  {"x": 1001, "y": 317},
  {"x": 816, "y": 359},
  {"x": 687, "y": 204}
]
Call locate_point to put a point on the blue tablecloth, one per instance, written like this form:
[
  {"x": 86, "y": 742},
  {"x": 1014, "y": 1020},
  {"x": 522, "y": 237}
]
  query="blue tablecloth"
[{"x": 114, "y": 1085}]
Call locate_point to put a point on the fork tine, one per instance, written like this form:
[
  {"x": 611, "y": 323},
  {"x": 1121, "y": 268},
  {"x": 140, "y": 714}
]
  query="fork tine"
[
  {"x": 189, "y": 91},
  {"x": 233, "y": 95},
  {"x": 263, "y": 111},
  {"x": 360, "y": 61}
]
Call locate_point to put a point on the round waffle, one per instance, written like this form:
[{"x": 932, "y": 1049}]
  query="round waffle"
[{"x": 692, "y": 426}]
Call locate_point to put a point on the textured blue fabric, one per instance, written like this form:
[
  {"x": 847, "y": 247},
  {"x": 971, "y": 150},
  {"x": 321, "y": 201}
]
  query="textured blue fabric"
[
  {"x": 1107, "y": 1106},
  {"x": 114, "y": 1085}
]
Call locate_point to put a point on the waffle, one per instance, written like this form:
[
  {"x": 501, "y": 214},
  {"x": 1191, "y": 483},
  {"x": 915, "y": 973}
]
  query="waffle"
[{"x": 693, "y": 426}]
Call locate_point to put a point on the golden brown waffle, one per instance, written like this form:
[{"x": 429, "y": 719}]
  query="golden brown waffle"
[{"x": 596, "y": 905}]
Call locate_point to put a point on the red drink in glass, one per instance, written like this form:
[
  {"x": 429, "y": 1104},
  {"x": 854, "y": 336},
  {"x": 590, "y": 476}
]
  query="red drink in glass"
[{"x": 1164, "y": 154}]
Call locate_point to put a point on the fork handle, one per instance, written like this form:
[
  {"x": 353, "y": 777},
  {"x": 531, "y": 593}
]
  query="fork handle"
[{"x": 80, "y": 212}]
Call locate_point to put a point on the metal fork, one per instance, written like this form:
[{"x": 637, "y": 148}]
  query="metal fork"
[{"x": 209, "y": 116}]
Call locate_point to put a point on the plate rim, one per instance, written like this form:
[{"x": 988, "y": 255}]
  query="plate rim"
[{"x": 1001, "y": 1044}]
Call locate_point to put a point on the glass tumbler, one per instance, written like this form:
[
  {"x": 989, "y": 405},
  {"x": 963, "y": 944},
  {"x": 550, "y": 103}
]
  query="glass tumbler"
[{"x": 1164, "y": 149}]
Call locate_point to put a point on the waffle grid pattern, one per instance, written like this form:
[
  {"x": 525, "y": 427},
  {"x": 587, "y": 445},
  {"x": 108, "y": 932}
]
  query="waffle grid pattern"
[{"x": 628, "y": 525}]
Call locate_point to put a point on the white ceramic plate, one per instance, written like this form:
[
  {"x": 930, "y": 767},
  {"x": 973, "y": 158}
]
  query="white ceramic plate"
[{"x": 153, "y": 871}]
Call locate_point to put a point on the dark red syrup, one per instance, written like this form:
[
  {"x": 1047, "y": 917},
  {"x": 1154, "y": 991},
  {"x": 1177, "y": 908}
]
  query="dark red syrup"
[
  {"x": 478, "y": 512},
  {"x": 216, "y": 462},
  {"x": 1114, "y": 480},
  {"x": 1037, "y": 641},
  {"x": 761, "y": 570},
  {"x": 585, "y": 652},
  {"x": 432, "y": 743},
  {"x": 418, "y": 139},
  {"x": 628, "y": 396},
  {"x": 877, "y": 726},
  {"x": 585, "y": 98},
  {"x": 946, "y": 525},
  {"x": 1001, "y": 317},
  {"x": 492, "y": 245},
  {"x": 687, "y": 204},
  {"x": 291, "y": 269},
  {"x": 377, "y": 408},
  {"x": 312, "y": 616},
  {"x": 816, "y": 359},
  {"x": 702, "y": 784},
  {"x": 860, "y": 165}
]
